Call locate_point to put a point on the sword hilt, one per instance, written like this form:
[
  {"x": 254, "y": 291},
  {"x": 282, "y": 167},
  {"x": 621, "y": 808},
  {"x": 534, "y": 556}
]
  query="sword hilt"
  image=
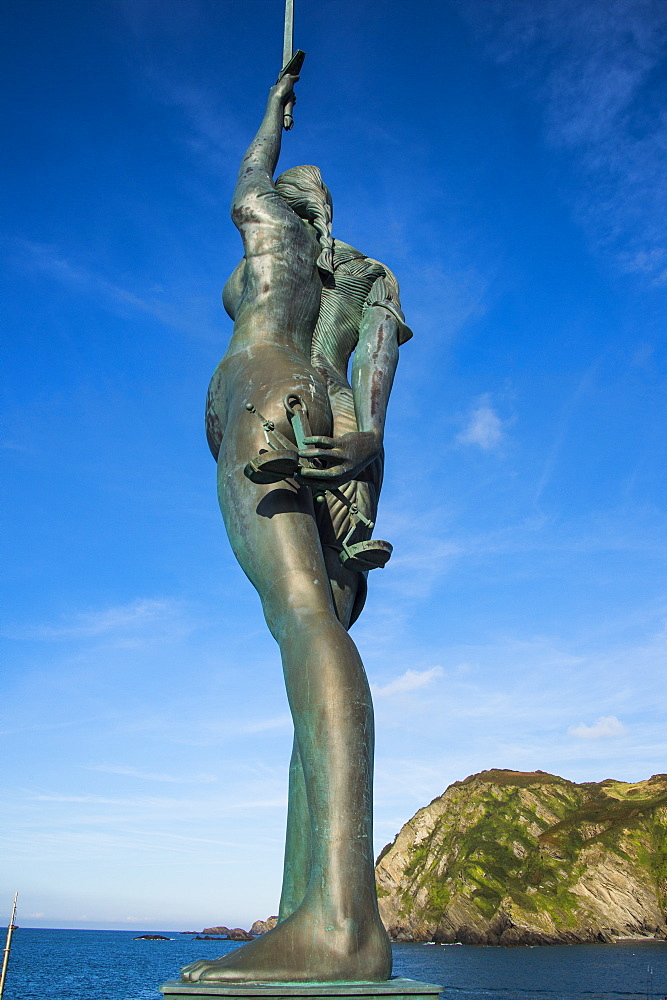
[{"x": 297, "y": 412}]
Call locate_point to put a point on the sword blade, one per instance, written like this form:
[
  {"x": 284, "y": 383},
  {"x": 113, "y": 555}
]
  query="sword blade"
[{"x": 288, "y": 38}]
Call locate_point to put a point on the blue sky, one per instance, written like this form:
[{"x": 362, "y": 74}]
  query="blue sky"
[{"x": 507, "y": 160}]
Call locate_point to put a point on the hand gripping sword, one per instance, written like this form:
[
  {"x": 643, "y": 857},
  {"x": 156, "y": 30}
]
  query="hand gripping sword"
[{"x": 292, "y": 61}]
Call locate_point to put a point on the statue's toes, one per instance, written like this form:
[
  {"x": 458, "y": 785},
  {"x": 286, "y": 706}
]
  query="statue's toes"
[
  {"x": 213, "y": 974},
  {"x": 191, "y": 973}
]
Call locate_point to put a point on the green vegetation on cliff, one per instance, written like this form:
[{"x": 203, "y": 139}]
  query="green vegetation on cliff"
[{"x": 511, "y": 856}]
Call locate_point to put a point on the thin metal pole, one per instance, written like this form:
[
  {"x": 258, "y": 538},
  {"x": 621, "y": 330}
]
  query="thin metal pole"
[
  {"x": 8, "y": 946},
  {"x": 288, "y": 51}
]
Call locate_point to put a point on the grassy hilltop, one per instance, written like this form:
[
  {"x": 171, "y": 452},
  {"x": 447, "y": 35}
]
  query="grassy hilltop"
[{"x": 513, "y": 857}]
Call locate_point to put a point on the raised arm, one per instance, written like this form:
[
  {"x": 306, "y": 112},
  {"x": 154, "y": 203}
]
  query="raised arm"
[{"x": 261, "y": 158}]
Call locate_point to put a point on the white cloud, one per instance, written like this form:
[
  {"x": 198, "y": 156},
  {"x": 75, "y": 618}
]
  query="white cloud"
[
  {"x": 411, "y": 680},
  {"x": 607, "y": 726},
  {"x": 484, "y": 427}
]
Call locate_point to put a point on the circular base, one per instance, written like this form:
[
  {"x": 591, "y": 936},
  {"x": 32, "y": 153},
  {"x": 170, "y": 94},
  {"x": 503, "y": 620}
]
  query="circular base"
[
  {"x": 272, "y": 466},
  {"x": 363, "y": 556}
]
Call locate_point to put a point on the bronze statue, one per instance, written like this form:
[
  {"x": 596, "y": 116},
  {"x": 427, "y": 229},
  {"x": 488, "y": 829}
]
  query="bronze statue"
[{"x": 299, "y": 454}]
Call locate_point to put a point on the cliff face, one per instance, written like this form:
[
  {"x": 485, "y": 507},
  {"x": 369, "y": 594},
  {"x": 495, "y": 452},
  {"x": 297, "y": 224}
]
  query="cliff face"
[{"x": 511, "y": 857}]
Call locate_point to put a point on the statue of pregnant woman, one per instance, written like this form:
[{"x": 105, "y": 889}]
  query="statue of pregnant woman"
[{"x": 299, "y": 449}]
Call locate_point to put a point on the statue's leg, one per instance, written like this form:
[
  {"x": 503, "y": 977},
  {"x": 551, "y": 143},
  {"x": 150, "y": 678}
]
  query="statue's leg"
[
  {"x": 348, "y": 590},
  {"x": 335, "y": 933},
  {"x": 296, "y": 869},
  {"x": 296, "y": 872},
  {"x": 344, "y": 587}
]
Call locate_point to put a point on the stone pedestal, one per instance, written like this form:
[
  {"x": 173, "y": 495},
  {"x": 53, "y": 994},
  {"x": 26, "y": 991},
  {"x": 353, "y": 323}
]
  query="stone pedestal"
[{"x": 392, "y": 989}]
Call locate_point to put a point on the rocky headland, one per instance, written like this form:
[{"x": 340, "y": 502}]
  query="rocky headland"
[
  {"x": 223, "y": 933},
  {"x": 518, "y": 858},
  {"x": 262, "y": 926}
]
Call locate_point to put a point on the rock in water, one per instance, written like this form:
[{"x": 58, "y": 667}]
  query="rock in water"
[
  {"x": 513, "y": 857},
  {"x": 239, "y": 934},
  {"x": 262, "y": 926},
  {"x": 222, "y": 931}
]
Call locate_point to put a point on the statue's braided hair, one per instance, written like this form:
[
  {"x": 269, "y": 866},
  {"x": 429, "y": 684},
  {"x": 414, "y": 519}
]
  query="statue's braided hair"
[{"x": 306, "y": 193}]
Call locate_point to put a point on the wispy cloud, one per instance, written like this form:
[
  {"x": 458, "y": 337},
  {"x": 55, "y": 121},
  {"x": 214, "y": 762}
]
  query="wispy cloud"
[
  {"x": 121, "y": 619},
  {"x": 97, "y": 800},
  {"x": 411, "y": 680},
  {"x": 423, "y": 564},
  {"x": 484, "y": 427},
  {"x": 148, "y": 802},
  {"x": 592, "y": 68},
  {"x": 584, "y": 385},
  {"x": 189, "y": 316},
  {"x": 46, "y": 726},
  {"x": 448, "y": 297},
  {"x": 606, "y": 727},
  {"x": 133, "y": 772},
  {"x": 209, "y": 121},
  {"x": 275, "y": 803},
  {"x": 212, "y": 131},
  {"x": 277, "y": 722}
]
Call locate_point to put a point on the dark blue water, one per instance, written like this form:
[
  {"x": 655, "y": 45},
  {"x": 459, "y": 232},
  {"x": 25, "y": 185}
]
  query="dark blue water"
[{"x": 110, "y": 965}]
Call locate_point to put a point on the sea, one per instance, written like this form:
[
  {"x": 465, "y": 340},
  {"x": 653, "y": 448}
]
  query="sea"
[{"x": 112, "y": 965}]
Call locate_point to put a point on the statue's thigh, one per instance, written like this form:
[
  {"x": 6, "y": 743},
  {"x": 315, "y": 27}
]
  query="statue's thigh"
[
  {"x": 344, "y": 585},
  {"x": 273, "y": 534}
]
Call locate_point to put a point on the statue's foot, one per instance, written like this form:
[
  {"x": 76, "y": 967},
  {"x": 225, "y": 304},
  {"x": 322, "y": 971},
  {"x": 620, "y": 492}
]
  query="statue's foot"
[
  {"x": 304, "y": 948},
  {"x": 272, "y": 466}
]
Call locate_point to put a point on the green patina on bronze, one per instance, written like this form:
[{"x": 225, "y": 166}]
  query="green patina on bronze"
[
  {"x": 300, "y": 461},
  {"x": 397, "y": 989}
]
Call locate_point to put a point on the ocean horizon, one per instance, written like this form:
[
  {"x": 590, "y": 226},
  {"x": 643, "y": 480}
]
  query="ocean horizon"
[{"x": 114, "y": 965}]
